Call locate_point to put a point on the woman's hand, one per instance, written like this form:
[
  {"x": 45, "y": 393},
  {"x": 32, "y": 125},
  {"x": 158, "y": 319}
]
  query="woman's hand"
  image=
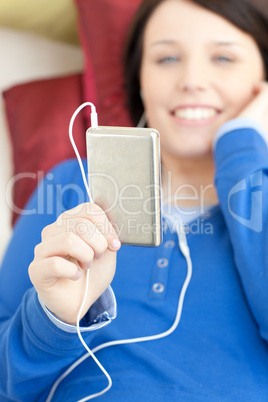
[
  {"x": 80, "y": 238},
  {"x": 257, "y": 109}
]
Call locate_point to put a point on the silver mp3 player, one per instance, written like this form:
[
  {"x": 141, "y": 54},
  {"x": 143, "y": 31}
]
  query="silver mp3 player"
[{"x": 124, "y": 180}]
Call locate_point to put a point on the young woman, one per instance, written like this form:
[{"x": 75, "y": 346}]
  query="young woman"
[{"x": 197, "y": 69}]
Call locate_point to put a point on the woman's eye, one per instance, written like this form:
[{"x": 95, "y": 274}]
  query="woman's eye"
[
  {"x": 168, "y": 60},
  {"x": 223, "y": 59}
]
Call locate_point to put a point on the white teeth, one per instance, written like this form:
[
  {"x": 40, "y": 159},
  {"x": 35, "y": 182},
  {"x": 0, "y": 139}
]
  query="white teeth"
[{"x": 195, "y": 113}]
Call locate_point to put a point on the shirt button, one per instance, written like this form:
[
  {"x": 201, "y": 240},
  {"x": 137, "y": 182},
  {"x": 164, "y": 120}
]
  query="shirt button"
[
  {"x": 158, "y": 288},
  {"x": 169, "y": 244},
  {"x": 162, "y": 262}
]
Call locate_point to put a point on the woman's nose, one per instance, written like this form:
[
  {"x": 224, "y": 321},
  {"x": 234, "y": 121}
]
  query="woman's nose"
[{"x": 193, "y": 77}]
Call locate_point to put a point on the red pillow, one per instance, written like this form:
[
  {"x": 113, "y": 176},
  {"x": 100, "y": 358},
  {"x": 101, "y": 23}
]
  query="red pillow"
[
  {"x": 103, "y": 26},
  {"x": 38, "y": 115}
]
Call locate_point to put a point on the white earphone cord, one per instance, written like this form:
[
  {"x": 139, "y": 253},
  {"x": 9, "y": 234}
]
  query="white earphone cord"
[{"x": 184, "y": 250}]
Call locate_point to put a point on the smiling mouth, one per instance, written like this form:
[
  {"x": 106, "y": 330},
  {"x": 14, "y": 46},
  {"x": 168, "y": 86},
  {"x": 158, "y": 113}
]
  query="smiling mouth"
[{"x": 196, "y": 114}]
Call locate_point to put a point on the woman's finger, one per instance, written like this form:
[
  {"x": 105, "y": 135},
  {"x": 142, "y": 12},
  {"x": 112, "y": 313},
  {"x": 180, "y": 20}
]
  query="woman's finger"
[
  {"x": 47, "y": 271},
  {"x": 80, "y": 220},
  {"x": 66, "y": 245}
]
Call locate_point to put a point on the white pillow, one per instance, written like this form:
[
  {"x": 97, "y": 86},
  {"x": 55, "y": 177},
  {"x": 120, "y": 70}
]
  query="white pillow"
[{"x": 26, "y": 57}]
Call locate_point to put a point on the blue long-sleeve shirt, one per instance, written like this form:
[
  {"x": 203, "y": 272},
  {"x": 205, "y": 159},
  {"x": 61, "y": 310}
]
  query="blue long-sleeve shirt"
[{"x": 218, "y": 352}]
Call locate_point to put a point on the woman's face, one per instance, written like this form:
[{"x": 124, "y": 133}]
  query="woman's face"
[{"x": 198, "y": 71}]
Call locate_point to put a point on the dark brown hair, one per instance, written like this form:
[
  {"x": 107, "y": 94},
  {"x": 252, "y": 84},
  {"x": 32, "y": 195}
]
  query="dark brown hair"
[{"x": 247, "y": 15}]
